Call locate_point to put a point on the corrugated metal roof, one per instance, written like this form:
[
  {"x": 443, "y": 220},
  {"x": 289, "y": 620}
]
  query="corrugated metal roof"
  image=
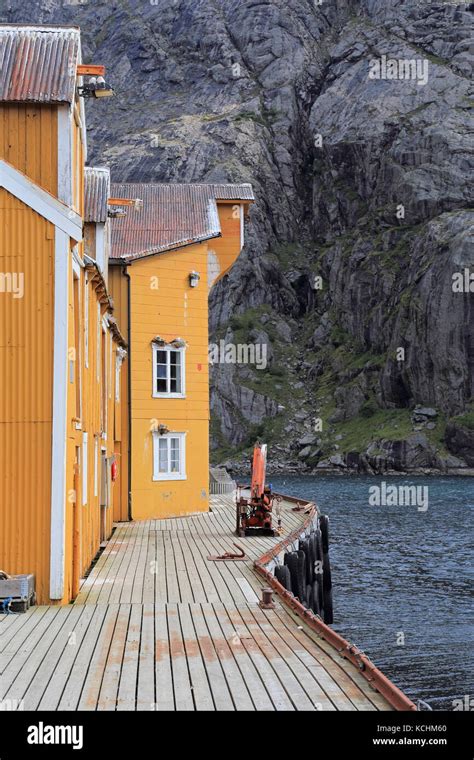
[
  {"x": 242, "y": 192},
  {"x": 38, "y": 63},
  {"x": 172, "y": 215},
  {"x": 96, "y": 193}
]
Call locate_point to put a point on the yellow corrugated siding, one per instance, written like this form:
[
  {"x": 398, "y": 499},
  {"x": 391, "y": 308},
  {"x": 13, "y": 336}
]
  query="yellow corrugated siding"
[
  {"x": 110, "y": 443},
  {"x": 227, "y": 247},
  {"x": 91, "y": 424},
  {"x": 28, "y": 141},
  {"x": 70, "y": 448},
  {"x": 162, "y": 303},
  {"x": 118, "y": 285},
  {"x": 26, "y": 365}
]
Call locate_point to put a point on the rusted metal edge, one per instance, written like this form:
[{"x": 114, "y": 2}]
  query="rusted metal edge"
[
  {"x": 394, "y": 696},
  {"x": 293, "y": 499}
]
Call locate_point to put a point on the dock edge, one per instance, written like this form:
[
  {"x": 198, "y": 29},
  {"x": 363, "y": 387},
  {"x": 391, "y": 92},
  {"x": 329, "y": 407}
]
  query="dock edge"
[{"x": 264, "y": 567}]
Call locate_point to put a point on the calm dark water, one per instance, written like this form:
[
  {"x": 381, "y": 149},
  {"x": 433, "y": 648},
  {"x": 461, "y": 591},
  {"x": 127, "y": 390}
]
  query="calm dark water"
[{"x": 398, "y": 572}]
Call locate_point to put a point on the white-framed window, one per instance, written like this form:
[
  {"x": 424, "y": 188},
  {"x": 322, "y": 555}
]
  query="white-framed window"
[
  {"x": 169, "y": 456},
  {"x": 168, "y": 372}
]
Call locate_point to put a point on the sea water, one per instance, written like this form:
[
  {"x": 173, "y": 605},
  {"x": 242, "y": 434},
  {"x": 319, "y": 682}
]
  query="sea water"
[{"x": 403, "y": 577}]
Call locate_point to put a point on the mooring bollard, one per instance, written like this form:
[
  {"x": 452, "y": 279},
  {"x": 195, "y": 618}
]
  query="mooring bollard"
[{"x": 266, "y": 602}]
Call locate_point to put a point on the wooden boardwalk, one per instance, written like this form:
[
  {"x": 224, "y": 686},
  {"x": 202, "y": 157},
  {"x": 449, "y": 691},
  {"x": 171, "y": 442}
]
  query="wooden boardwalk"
[{"x": 156, "y": 626}]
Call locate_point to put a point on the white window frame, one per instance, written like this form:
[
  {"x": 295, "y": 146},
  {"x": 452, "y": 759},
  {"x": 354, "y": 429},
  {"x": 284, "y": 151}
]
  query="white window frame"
[
  {"x": 168, "y": 349},
  {"x": 157, "y": 475}
]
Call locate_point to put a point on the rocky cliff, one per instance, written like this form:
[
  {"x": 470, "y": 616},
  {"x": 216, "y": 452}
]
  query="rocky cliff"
[{"x": 353, "y": 121}]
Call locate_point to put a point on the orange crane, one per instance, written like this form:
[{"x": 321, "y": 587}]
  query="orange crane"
[{"x": 254, "y": 514}]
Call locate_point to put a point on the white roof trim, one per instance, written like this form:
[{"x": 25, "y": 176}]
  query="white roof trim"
[
  {"x": 213, "y": 216},
  {"x": 45, "y": 204}
]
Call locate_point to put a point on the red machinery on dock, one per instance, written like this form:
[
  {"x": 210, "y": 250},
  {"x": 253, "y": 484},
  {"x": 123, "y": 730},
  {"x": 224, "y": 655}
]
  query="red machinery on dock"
[{"x": 255, "y": 513}]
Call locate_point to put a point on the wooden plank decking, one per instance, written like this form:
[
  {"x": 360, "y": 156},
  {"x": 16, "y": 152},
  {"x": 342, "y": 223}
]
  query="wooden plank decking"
[{"x": 158, "y": 626}]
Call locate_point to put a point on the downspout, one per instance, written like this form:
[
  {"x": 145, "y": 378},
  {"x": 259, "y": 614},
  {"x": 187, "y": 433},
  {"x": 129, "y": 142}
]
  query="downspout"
[{"x": 129, "y": 386}]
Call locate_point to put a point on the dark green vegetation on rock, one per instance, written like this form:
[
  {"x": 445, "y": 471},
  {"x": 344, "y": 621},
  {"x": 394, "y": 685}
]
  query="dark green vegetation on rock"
[{"x": 185, "y": 112}]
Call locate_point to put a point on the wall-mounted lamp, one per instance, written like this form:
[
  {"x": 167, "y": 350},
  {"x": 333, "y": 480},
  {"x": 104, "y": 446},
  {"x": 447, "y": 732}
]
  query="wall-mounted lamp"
[
  {"x": 194, "y": 278},
  {"x": 96, "y": 87},
  {"x": 116, "y": 213}
]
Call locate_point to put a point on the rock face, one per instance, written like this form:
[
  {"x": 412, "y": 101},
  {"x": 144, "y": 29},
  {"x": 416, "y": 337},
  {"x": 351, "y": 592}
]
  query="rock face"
[
  {"x": 460, "y": 442},
  {"x": 363, "y": 194}
]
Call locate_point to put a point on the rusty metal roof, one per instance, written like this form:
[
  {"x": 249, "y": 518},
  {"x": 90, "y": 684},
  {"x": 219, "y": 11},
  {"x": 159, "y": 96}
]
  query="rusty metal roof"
[
  {"x": 172, "y": 216},
  {"x": 96, "y": 193},
  {"x": 38, "y": 63},
  {"x": 242, "y": 192}
]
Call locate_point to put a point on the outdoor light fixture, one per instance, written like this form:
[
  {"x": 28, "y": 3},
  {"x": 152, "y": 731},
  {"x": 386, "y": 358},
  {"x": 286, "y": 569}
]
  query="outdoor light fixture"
[
  {"x": 194, "y": 278},
  {"x": 116, "y": 213},
  {"x": 96, "y": 87}
]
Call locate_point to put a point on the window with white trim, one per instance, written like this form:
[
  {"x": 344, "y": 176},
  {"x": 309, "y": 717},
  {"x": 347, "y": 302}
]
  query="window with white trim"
[
  {"x": 169, "y": 456},
  {"x": 168, "y": 372}
]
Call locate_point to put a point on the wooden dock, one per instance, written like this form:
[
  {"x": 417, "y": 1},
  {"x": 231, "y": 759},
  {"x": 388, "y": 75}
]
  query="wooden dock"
[{"x": 156, "y": 626}]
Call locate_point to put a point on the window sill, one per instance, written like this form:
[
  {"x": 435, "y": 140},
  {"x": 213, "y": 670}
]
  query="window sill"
[
  {"x": 168, "y": 395},
  {"x": 165, "y": 478}
]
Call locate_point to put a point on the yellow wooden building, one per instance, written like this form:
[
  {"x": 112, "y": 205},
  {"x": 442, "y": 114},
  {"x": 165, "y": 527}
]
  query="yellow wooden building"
[
  {"x": 165, "y": 258},
  {"x": 104, "y": 398},
  {"x": 58, "y": 339}
]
